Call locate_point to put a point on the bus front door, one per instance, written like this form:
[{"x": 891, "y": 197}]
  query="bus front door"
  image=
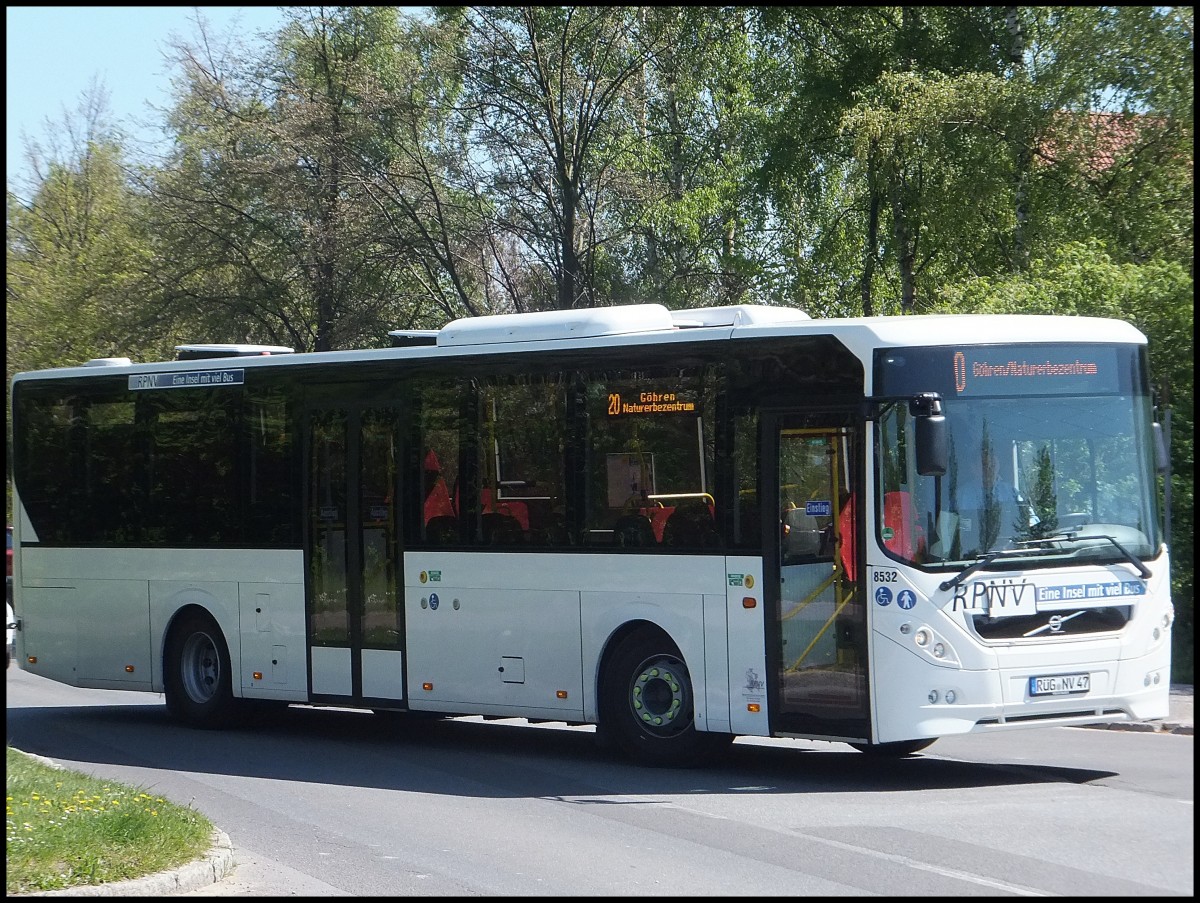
[
  {"x": 353, "y": 560},
  {"x": 819, "y": 649}
]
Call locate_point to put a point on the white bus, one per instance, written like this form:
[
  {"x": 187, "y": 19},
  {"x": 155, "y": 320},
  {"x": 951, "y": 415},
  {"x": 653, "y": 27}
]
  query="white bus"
[{"x": 680, "y": 526}]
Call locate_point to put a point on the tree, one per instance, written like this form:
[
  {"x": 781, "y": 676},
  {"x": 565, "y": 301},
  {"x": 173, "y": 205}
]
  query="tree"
[
  {"x": 546, "y": 90},
  {"x": 267, "y": 232},
  {"x": 77, "y": 248}
]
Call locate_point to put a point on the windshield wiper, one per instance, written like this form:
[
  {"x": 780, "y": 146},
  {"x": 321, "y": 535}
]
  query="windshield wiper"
[
  {"x": 978, "y": 565},
  {"x": 1075, "y": 536}
]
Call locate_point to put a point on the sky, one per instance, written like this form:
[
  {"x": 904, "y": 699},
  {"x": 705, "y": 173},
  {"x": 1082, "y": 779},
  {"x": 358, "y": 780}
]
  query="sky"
[{"x": 56, "y": 52}]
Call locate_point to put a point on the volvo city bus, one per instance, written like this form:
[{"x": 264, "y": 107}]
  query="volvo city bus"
[{"x": 679, "y": 526}]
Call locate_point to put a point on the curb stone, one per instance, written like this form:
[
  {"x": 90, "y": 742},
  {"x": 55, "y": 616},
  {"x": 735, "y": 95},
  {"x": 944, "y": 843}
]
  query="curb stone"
[
  {"x": 1160, "y": 727},
  {"x": 1180, "y": 720},
  {"x": 210, "y": 868}
]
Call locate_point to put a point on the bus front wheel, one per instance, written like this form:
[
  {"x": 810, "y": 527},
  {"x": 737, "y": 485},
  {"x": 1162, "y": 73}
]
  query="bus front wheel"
[
  {"x": 197, "y": 674},
  {"x": 647, "y": 707}
]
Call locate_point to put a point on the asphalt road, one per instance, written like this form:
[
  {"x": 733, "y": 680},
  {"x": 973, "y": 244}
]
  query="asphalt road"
[{"x": 324, "y": 803}]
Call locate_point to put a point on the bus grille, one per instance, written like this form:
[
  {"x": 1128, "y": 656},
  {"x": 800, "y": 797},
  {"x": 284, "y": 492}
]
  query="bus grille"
[{"x": 1053, "y": 625}]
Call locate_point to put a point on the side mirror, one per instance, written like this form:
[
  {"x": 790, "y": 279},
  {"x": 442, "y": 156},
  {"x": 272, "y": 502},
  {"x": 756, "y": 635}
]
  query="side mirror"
[
  {"x": 932, "y": 442},
  {"x": 1162, "y": 460}
]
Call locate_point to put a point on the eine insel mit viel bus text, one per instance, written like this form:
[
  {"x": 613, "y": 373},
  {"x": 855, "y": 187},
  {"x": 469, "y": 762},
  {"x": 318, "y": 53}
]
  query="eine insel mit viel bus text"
[{"x": 680, "y": 526}]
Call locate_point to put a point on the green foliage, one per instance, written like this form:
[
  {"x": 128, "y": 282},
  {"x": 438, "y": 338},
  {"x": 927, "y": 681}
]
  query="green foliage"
[
  {"x": 75, "y": 258},
  {"x": 375, "y": 169}
]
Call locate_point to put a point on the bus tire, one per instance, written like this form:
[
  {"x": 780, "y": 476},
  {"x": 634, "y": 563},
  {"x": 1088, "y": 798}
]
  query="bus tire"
[
  {"x": 897, "y": 749},
  {"x": 198, "y": 675},
  {"x": 647, "y": 708}
]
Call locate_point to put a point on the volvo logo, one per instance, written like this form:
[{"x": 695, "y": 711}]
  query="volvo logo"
[{"x": 1056, "y": 624}]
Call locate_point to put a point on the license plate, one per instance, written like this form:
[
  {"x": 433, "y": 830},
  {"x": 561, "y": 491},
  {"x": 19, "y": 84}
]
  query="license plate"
[{"x": 1060, "y": 685}]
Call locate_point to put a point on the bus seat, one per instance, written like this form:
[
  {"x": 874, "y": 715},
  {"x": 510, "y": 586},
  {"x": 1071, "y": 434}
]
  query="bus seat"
[
  {"x": 634, "y": 530},
  {"x": 907, "y": 536},
  {"x": 442, "y": 530},
  {"x": 516, "y": 509},
  {"x": 437, "y": 502},
  {"x": 501, "y": 530},
  {"x": 691, "y": 527},
  {"x": 659, "y": 515},
  {"x": 804, "y": 535},
  {"x": 553, "y": 531}
]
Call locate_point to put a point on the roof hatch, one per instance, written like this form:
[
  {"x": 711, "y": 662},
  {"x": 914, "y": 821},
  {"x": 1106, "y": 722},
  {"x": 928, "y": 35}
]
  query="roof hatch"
[
  {"x": 201, "y": 352},
  {"x": 548, "y": 325}
]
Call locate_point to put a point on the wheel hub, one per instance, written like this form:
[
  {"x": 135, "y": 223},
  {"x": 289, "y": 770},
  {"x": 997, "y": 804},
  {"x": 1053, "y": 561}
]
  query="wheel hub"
[{"x": 657, "y": 694}]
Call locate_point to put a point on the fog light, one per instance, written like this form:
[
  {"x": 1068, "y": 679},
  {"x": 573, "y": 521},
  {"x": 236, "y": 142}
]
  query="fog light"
[
  {"x": 906, "y": 628},
  {"x": 938, "y": 650},
  {"x": 933, "y": 696},
  {"x": 1146, "y": 681},
  {"x": 1157, "y": 634},
  {"x": 922, "y": 637},
  {"x": 951, "y": 696},
  {"x": 1157, "y": 678}
]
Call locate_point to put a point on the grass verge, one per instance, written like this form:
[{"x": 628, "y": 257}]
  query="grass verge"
[{"x": 65, "y": 829}]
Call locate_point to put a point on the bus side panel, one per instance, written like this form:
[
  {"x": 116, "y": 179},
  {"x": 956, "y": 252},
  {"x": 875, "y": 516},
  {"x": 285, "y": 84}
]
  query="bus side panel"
[
  {"x": 212, "y": 579},
  {"x": 116, "y": 650},
  {"x": 84, "y": 617},
  {"x": 272, "y": 641},
  {"x": 48, "y": 638},
  {"x": 716, "y": 662},
  {"x": 474, "y": 649},
  {"x": 746, "y": 674}
]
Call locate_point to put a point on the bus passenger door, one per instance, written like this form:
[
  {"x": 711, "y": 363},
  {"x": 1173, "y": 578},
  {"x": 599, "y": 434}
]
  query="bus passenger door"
[
  {"x": 353, "y": 555},
  {"x": 819, "y": 644}
]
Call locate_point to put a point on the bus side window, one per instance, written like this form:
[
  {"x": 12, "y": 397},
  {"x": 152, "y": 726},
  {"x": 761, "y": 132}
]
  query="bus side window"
[
  {"x": 521, "y": 461},
  {"x": 747, "y": 530},
  {"x": 439, "y": 427},
  {"x": 649, "y": 447}
]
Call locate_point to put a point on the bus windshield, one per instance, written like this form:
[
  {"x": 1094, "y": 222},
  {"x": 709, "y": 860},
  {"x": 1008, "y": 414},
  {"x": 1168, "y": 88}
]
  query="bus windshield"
[{"x": 1050, "y": 479}]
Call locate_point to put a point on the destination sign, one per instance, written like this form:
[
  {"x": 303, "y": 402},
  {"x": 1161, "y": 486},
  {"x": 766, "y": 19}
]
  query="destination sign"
[
  {"x": 643, "y": 403},
  {"x": 987, "y": 371},
  {"x": 193, "y": 379},
  {"x": 993, "y": 370}
]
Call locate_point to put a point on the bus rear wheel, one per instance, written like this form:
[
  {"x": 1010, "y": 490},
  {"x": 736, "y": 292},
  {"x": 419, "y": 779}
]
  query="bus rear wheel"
[
  {"x": 197, "y": 673},
  {"x": 647, "y": 707}
]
